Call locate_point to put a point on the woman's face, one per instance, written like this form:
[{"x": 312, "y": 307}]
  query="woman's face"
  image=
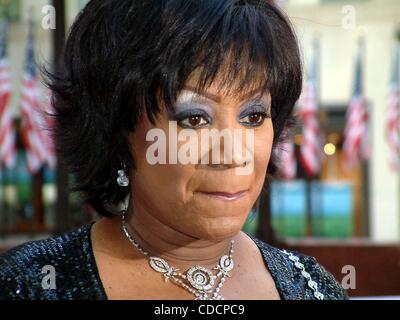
[{"x": 204, "y": 200}]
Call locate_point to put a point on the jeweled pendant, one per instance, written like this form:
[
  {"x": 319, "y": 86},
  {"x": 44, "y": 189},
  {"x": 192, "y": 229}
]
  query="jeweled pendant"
[
  {"x": 226, "y": 263},
  {"x": 158, "y": 264},
  {"x": 200, "y": 278}
]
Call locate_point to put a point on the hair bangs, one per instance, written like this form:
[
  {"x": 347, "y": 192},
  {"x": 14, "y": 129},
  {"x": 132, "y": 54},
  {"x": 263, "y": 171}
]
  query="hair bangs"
[{"x": 239, "y": 52}]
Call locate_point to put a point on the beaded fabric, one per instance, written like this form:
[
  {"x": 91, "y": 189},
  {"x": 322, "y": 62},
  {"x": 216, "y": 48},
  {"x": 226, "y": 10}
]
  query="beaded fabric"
[{"x": 77, "y": 276}]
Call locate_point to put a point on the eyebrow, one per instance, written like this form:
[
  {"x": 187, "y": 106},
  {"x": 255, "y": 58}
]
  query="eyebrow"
[{"x": 216, "y": 98}]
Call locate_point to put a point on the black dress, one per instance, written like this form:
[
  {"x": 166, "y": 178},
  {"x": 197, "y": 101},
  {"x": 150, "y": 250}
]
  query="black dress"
[{"x": 296, "y": 276}]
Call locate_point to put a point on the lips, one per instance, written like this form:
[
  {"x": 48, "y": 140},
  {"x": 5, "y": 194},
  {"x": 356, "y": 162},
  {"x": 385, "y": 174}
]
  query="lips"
[{"x": 225, "y": 196}]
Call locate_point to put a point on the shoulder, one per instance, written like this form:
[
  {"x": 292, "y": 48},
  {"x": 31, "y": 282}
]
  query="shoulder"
[
  {"x": 23, "y": 269},
  {"x": 299, "y": 276}
]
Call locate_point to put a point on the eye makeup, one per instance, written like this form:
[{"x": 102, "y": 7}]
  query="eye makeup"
[
  {"x": 189, "y": 106},
  {"x": 192, "y": 111},
  {"x": 255, "y": 107}
]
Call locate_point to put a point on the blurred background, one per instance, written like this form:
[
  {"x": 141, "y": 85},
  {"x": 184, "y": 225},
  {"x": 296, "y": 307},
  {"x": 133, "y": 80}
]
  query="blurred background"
[{"x": 338, "y": 194}]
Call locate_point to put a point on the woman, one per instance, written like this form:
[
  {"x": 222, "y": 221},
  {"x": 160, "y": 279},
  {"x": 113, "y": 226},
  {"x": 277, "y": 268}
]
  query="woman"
[{"x": 138, "y": 76}]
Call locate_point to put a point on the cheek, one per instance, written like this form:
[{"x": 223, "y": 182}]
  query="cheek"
[
  {"x": 167, "y": 181},
  {"x": 164, "y": 186}
]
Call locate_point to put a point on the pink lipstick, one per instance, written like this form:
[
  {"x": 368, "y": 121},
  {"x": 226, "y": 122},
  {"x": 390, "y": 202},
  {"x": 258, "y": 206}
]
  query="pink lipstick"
[{"x": 225, "y": 196}]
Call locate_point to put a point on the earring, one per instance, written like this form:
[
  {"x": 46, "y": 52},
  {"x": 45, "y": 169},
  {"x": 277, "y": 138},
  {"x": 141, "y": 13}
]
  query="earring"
[{"x": 122, "y": 179}]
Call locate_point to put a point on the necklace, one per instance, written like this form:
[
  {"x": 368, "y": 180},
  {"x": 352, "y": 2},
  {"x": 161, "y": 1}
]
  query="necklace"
[{"x": 198, "y": 280}]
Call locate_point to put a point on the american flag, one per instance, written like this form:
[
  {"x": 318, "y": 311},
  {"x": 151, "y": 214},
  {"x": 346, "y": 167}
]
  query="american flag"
[
  {"x": 311, "y": 150},
  {"x": 356, "y": 141},
  {"x": 34, "y": 128},
  {"x": 393, "y": 113},
  {"x": 8, "y": 150}
]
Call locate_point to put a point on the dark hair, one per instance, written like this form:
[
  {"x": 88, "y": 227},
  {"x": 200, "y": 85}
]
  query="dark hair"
[{"x": 120, "y": 54}]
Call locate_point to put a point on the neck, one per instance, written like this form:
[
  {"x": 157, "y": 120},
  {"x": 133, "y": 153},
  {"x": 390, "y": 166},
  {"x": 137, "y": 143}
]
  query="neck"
[{"x": 178, "y": 249}]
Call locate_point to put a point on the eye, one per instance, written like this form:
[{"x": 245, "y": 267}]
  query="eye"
[
  {"x": 194, "y": 121},
  {"x": 192, "y": 118},
  {"x": 254, "y": 119}
]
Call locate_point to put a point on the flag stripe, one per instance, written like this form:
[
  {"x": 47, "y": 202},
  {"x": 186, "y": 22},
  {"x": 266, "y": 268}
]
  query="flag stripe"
[
  {"x": 37, "y": 143},
  {"x": 393, "y": 114},
  {"x": 356, "y": 145},
  {"x": 8, "y": 151}
]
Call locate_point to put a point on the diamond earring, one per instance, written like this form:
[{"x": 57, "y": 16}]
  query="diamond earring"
[{"x": 122, "y": 179}]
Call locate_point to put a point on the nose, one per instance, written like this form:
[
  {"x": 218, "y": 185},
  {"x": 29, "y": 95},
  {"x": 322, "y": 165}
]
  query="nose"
[{"x": 228, "y": 148}]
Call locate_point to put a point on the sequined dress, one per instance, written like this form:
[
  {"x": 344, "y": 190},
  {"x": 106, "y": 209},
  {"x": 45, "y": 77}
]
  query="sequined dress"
[{"x": 296, "y": 276}]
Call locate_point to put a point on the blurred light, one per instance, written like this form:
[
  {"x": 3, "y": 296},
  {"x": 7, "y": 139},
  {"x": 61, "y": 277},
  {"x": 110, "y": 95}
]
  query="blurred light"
[{"x": 330, "y": 149}]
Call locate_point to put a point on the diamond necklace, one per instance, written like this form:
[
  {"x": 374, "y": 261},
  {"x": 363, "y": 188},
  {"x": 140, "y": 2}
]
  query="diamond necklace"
[{"x": 198, "y": 280}]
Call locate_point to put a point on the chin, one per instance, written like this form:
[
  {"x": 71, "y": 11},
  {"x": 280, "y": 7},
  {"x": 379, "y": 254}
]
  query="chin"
[{"x": 219, "y": 228}]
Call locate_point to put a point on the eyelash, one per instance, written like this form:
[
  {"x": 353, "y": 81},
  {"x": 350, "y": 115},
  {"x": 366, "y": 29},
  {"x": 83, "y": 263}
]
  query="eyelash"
[
  {"x": 186, "y": 116},
  {"x": 257, "y": 109},
  {"x": 263, "y": 117},
  {"x": 180, "y": 123}
]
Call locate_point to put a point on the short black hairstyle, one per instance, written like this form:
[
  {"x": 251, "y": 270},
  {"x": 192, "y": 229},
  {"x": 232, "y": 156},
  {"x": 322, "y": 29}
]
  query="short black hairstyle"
[{"x": 121, "y": 56}]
